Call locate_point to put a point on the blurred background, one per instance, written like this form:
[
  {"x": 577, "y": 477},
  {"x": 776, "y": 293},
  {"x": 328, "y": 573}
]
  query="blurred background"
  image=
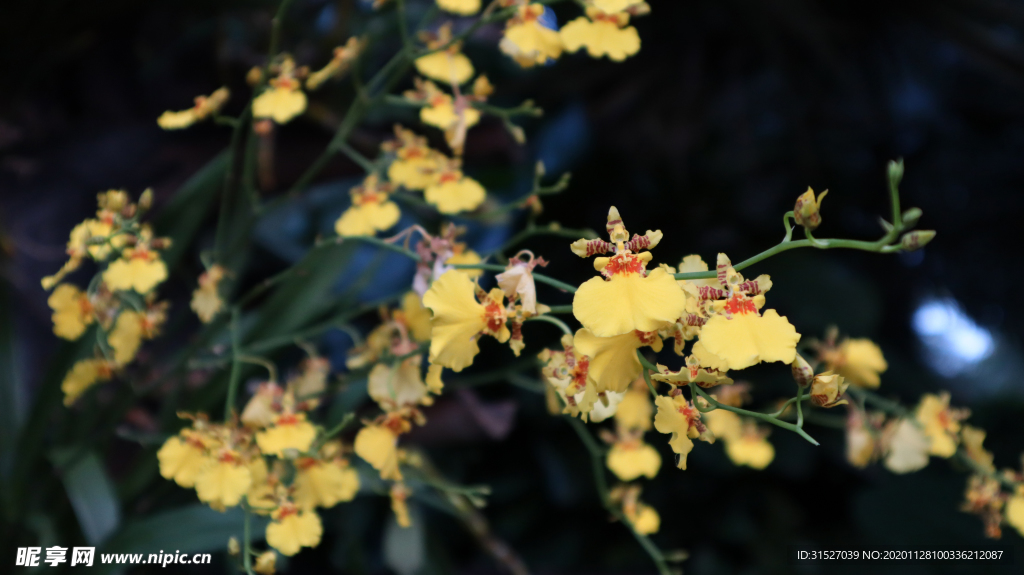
[{"x": 731, "y": 110}]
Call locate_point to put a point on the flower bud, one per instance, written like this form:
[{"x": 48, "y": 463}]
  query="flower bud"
[
  {"x": 916, "y": 239},
  {"x": 233, "y": 547},
  {"x": 146, "y": 200},
  {"x": 895, "y": 173},
  {"x": 806, "y": 211},
  {"x": 827, "y": 389},
  {"x": 802, "y": 371},
  {"x": 266, "y": 563},
  {"x": 911, "y": 216}
]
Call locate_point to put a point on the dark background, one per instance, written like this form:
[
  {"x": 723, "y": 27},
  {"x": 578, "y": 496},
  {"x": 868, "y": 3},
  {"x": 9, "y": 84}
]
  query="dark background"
[{"x": 731, "y": 109}]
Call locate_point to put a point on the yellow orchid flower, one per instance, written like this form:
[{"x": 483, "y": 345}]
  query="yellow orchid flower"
[
  {"x": 83, "y": 375},
  {"x": 293, "y": 528},
  {"x": 602, "y": 34},
  {"x": 416, "y": 165},
  {"x": 204, "y": 107},
  {"x": 630, "y": 299},
  {"x": 941, "y": 423},
  {"x": 445, "y": 64},
  {"x": 377, "y": 444},
  {"x": 453, "y": 192},
  {"x": 678, "y": 417},
  {"x": 527, "y": 41},
  {"x": 858, "y": 360},
  {"x": 459, "y": 319},
  {"x": 224, "y": 481},
  {"x": 72, "y": 311},
  {"x": 290, "y": 431},
  {"x": 613, "y": 361},
  {"x": 320, "y": 483},
  {"x": 283, "y": 99},
  {"x": 371, "y": 209}
]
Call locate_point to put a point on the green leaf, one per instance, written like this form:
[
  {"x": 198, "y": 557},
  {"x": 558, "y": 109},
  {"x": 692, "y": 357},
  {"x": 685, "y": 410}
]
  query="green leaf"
[
  {"x": 182, "y": 217},
  {"x": 91, "y": 493}
]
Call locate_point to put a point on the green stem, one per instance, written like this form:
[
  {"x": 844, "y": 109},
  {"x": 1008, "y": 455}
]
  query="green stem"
[
  {"x": 376, "y": 242},
  {"x": 552, "y": 320},
  {"x": 601, "y": 483},
  {"x": 246, "y": 538},
  {"x": 236, "y": 367},
  {"x": 536, "y": 276},
  {"x": 275, "y": 28},
  {"x": 356, "y": 157},
  {"x": 560, "y": 309},
  {"x": 757, "y": 415},
  {"x": 332, "y": 432}
]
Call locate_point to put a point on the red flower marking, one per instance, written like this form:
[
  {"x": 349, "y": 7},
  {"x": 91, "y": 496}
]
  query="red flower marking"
[
  {"x": 624, "y": 264},
  {"x": 494, "y": 316},
  {"x": 740, "y": 305},
  {"x": 285, "y": 510},
  {"x": 645, "y": 337},
  {"x": 305, "y": 462},
  {"x": 227, "y": 457},
  {"x": 448, "y": 177},
  {"x": 287, "y": 419}
]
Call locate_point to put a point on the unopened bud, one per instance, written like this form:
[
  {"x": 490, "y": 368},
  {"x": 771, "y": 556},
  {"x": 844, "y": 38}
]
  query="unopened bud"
[
  {"x": 827, "y": 390},
  {"x": 802, "y": 371},
  {"x": 518, "y": 134},
  {"x": 916, "y": 239},
  {"x": 911, "y": 216},
  {"x": 146, "y": 200},
  {"x": 233, "y": 547},
  {"x": 895, "y": 173},
  {"x": 539, "y": 170},
  {"x": 254, "y": 76},
  {"x": 266, "y": 563},
  {"x": 806, "y": 212}
]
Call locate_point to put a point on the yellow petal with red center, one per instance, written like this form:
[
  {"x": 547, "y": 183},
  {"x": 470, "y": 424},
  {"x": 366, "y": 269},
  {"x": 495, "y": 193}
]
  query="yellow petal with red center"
[
  {"x": 458, "y": 319},
  {"x": 628, "y": 302},
  {"x": 367, "y": 219},
  {"x": 324, "y": 484},
  {"x": 453, "y": 197},
  {"x": 288, "y": 432},
  {"x": 601, "y": 38},
  {"x": 670, "y": 420},
  {"x": 126, "y": 337},
  {"x": 444, "y": 67},
  {"x": 223, "y": 483},
  {"x": 461, "y": 7},
  {"x": 630, "y": 461},
  {"x": 613, "y": 361},
  {"x": 378, "y": 446},
  {"x": 71, "y": 311},
  {"x": 413, "y": 173},
  {"x": 862, "y": 362},
  {"x": 295, "y": 531},
  {"x": 442, "y": 115},
  {"x": 752, "y": 451},
  {"x": 280, "y": 104},
  {"x": 747, "y": 339},
  {"x": 181, "y": 461},
  {"x": 942, "y": 429},
  {"x": 139, "y": 274}
]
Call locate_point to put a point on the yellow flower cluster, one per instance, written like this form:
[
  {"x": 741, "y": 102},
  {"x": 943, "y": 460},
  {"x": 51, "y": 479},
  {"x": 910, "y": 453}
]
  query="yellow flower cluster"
[
  {"x": 272, "y": 458},
  {"x": 603, "y": 31},
  {"x": 120, "y": 300}
]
